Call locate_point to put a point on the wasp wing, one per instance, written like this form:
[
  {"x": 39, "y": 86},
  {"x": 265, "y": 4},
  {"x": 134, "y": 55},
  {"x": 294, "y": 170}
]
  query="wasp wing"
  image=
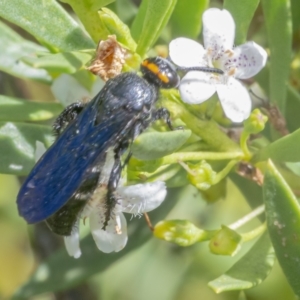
[{"x": 68, "y": 162}]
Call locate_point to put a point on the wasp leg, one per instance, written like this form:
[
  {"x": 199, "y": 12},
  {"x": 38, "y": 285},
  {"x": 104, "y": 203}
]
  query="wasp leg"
[
  {"x": 112, "y": 185},
  {"x": 163, "y": 113},
  {"x": 117, "y": 169},
  {"x": 69, "y": 114}
]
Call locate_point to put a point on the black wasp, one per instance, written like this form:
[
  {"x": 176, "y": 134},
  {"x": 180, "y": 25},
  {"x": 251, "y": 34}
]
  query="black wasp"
[{"x": 64, "y": 179}]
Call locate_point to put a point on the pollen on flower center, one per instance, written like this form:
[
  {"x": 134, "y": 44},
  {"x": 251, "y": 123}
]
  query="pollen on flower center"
[
  {"x": 231, "y": 71},
  {"x": 229, "y": 53}
]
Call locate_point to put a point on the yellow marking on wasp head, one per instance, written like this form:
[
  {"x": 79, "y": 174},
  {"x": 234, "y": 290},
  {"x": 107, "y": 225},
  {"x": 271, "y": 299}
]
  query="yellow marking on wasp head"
[{"x": 153, "y": 68}]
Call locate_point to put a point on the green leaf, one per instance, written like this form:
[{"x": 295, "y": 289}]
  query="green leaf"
[
  {"x": 87, "y": 12},
  {"x": 279, "y": 30},
  {"x": 48, "y": 22},
  {"x": 13, "y": 47},
  {"x": 61, "y": 272},
  {"x": 286, "y": 149},
  {"x": 154, "y": 145},
  {"x": 151, "y": 19},
  {"x": 115, "y": 26},
  {"x": 75, "y": 92},
  {"x": 295, "y": 9},
  {"x": 242, "y": 12},
  {"x": 14, "y": 109},
  {"x": 65, "y": 62},
  {"x": 250, "y": 270},
  {"x": 18, "y": 144},
  {"x": 126, "y": 10},
  {"x": 283, "y": 220},
  {"x": 186, "y": 18},
  {"x": 292, "y": 108}
]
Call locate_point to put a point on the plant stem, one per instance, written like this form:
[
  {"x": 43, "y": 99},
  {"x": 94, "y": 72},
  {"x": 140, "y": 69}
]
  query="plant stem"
[
  {"x": 208, "y": 130},
  {"x": 244, "y": 146},
  {"x": 222, "y": 174},
  {"x": 198, "y": 156},
  {"x": 253, "y": 214},
  {"x": 248, "y": 236}
]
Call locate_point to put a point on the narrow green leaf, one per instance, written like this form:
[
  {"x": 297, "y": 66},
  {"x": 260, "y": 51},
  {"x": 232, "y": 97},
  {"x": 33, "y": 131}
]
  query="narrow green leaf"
[
  {"x": 242, "y": 12},
  {"x": 186, "y": 18},
  {"x": 137, "y": 25},
  {"x": 295, "y": 9},
  {"x": 250, "y": 270},
  {"x": 14, "y": 109},
  {"x": 87, "y": 12},
  {"x": 64, "y": 62},
  {"x": 48, "y": 22},
  {"x": 286, "y": 149},
  {"x": 279, "y": 29},
  {"x": 126, "y": 10},
  {"x": 12, "y": 48},
  {"x": 115, "y": 26},
  {"x": 292, "y": 108},
  {"x": 153, "y": 145},
  {"x": 18, "y": 143},
  {"x": 152, "y": 17},
  {"x": 283, "y": 220},
  {"x": 61, "y": 272}
]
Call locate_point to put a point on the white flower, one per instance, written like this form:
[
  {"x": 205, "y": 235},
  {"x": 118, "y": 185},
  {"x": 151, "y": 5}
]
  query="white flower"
[
  {"x": 135, "y": 199},
  {"x": 241, "y": 62}
]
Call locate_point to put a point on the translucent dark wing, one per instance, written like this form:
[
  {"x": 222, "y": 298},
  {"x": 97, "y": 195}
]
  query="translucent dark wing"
[{"x": 63, "y": 168}]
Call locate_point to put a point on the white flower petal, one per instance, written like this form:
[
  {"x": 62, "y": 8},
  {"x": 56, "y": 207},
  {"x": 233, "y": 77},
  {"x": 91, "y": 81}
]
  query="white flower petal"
[
  {"x": 114, "y": 237},
  {"x": 141, "y": 198},
  {"x": 187, "y": 53},
  {"x": 218, "y": 31},
  {"x": 248, "y": 59},
  {"x": 196, "y": 87},
  {"x": 72, "y": 242},
  {"x": 235, "y": 100}
]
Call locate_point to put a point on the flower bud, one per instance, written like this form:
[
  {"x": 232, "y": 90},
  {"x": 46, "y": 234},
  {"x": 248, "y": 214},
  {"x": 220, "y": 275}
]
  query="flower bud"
[
  {"x": 225, "y": 242},
  {"x": 256, "y": 122},
  {"x": 180, "y": 232},
  {"x": 201, "y": 175}
]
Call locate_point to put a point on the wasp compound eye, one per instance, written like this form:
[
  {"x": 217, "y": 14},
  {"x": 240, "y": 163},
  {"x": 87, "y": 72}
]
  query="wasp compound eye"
[{"x": 160, "y": 72}]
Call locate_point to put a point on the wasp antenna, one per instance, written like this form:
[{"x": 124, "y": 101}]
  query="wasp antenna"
[{"x": 201, "y": 69}]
